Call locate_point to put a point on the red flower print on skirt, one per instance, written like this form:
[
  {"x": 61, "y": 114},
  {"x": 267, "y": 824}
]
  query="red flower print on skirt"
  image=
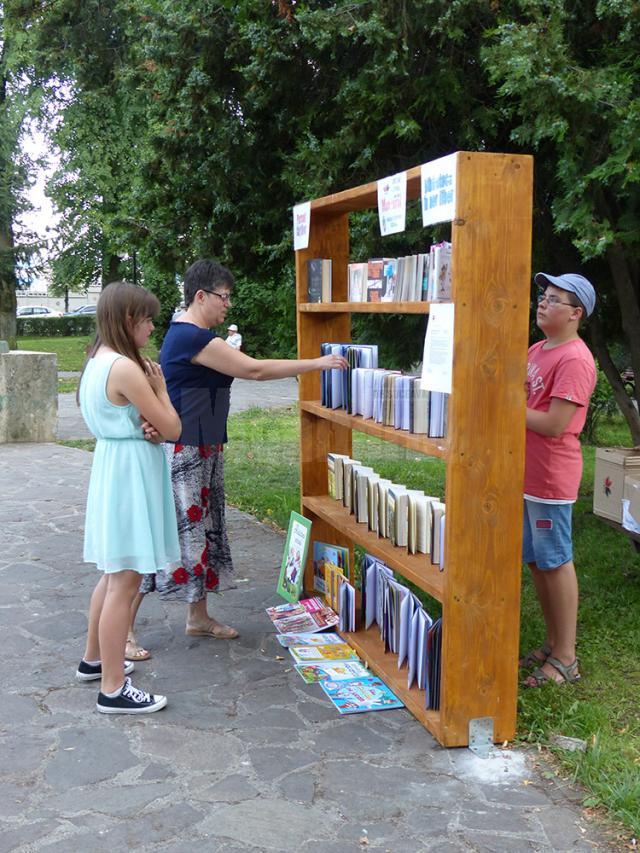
[
  {"x": 205, "y": 450},
  {"x": 194, "y": 512},
  {"x": 177, "y": 448},
  {"x": 197, "y": 569},
  {"x": 180, "y": 575},
  {"x": 205, "y": 554},
  {"x": 211, "y": 579},
  {"x": 204, "y": 494}
]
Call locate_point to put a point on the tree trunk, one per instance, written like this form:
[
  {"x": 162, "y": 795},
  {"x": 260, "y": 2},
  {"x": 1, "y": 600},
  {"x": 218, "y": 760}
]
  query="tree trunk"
[
  {"x": 111, "y": 269},
  {"x": 7, "y": 257}
]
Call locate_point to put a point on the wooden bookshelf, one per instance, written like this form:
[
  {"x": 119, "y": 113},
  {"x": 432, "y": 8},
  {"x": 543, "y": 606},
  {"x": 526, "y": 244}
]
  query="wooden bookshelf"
[
  {"x": 484, "y": 451},
  {"x": 418, "y": 443},
  {"x": 364, "y": 307}
]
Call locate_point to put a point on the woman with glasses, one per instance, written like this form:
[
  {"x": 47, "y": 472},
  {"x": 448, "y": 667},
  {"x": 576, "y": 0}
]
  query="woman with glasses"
[{"x": 199, "y": 368}]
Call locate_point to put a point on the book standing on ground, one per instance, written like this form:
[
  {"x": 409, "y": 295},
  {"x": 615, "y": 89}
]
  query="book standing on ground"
[{"x": 294, "y": 557}]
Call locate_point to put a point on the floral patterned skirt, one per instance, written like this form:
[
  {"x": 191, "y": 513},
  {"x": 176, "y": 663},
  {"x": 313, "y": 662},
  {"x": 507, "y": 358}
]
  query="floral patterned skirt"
[{"x": 197, "y": 478}]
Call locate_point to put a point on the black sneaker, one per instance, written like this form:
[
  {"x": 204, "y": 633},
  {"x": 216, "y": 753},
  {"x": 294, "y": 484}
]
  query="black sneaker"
[
  {"x": 130, "y": 700},
  {"x": 89, "y": 672}
]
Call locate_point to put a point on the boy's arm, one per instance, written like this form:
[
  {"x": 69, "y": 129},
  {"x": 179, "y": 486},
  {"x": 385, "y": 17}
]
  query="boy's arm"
[{"x": 554, "y": 421}]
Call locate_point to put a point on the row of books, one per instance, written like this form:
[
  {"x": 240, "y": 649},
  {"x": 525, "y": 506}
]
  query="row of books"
[
  {"x": 407, "y": 517},
  {"x": 388, "y": 397},
  {"x": 326, "y": 659},
  {"x": 424, "y": 277},
  {"x": 406, "y": 629}
]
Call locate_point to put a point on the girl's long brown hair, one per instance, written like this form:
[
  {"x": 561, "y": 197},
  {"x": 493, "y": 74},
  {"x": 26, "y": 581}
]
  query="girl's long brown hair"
[{"x": 120, "y": 306}]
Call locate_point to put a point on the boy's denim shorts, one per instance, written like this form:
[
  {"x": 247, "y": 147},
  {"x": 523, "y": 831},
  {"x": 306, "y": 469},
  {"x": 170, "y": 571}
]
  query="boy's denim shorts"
[{"x": 546, "y": 538}]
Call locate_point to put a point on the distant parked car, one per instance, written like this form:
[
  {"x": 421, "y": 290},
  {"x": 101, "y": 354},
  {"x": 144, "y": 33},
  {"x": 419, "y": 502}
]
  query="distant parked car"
[
  {"x": 83, "y": 309},
  {"x": 37, "y": 311}
]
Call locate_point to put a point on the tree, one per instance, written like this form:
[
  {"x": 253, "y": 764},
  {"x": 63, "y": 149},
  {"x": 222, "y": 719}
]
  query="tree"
[{"x": 568, "y": 79}]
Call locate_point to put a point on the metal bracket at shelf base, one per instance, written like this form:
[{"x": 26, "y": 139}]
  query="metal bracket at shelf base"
[{"x": 481, "y": 736}]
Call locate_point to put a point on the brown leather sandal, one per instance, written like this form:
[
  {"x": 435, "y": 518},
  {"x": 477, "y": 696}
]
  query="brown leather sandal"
[{"x": 569, "y": 674}]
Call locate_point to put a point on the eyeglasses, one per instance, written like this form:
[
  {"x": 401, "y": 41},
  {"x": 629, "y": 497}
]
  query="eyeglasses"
[
  {"x": 226, "y": 297},
  {"x": 553, "y": 300}
]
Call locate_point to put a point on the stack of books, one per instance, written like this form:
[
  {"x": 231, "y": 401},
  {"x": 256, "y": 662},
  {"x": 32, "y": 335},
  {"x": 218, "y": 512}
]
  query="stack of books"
[
  {"x": 388, "y": 397},
  {"x": 406, "y": 628},
  {"x": 414, "y": 278},
  {"x": 407, "y": 517}
]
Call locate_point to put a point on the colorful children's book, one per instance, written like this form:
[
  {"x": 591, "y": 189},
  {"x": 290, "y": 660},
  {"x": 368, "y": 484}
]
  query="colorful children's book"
[
  {"x": 323, "y": 670},
  {"x": 324, "y": 553},
  {"x": 326, "y": 639},
  {"x": 302, "y": 617},
  {"x": 294, "y": 557},
  {"x": 360, "y": 694},
  {"x": 332, "y": 652}
]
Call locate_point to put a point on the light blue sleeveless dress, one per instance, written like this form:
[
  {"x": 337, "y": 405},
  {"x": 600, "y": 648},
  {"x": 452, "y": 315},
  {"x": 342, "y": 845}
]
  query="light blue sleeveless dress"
[{"x": 130, "y": 520}]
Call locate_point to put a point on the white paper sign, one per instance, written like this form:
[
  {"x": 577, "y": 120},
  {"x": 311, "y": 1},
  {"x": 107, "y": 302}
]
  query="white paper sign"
[
  {"x": 438, "y": 190},
  {"x": 437, "y": 360},
  {"x": 392, "y": 203},
  {"x": 301, "y": 222}
]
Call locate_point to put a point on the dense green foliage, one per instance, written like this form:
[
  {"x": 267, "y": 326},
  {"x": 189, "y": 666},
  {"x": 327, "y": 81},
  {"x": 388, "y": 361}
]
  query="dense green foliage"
[
  {"x": 191, "y": 129},
  {"x": 49, "y": 327}
]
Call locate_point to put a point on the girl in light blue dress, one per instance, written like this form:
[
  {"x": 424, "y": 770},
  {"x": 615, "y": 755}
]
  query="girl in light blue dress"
[{"x": 130, "y": 527}]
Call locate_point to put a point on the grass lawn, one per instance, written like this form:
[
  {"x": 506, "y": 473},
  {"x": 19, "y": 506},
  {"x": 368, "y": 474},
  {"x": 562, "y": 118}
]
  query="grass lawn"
[
  {"x": 71, "y": 351},
  {"x": 261, "y": 462}
]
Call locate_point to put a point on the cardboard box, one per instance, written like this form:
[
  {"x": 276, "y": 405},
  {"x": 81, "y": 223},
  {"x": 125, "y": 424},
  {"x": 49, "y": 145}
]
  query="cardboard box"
[
  {"x": 612, "y": 466},
  {"x": 632, "y": 494}
]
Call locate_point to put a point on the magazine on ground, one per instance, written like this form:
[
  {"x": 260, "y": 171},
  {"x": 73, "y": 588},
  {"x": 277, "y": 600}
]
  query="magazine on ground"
[
  {"x": 302, "y": 617},
  {"x": 332, "y": 652},
  {"x": 325, "y": 639},
  {"x": 335, "y": 671},
  {"x": 360, "y": 694}
]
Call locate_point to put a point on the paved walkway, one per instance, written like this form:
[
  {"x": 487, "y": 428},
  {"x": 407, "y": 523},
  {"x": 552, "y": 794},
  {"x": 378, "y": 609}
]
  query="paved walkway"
[
  {"x": 245, "y": 757},
  {"x": 245, "y": 395}
]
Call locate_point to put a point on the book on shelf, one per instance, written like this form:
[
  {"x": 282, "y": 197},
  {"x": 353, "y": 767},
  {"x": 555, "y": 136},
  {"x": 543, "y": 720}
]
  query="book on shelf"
[
  {"x": 397, "y": 515},
  {"x": 323, "y": 553},
  {"x": 437, "y": 512},
  {"x": 360, "y": 475},
  {"x": 319, "y": 280},
  {"x": 434, "y": 667},
  {"x": 358, "y": 275},
  {"x": 335, "y": 476},
  {"x": 315, "y": 671},
  {"x": 347, "y": 607},
  {"x": 375, "y": 280},
  {"x": 347, "y": 497},
  {"x": 372, "y": 501},
  {"x": 360, "y": 694},
  {"x": 323, "y": 639},
  {"x": 382, "y": 487},
  {"x": 302, "y": 617},
  {"x": 333, "y": 578},
  {"x": 332, "y": 651}
]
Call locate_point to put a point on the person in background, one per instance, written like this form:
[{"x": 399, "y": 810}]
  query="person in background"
[
  {"x": 234, "y": 338},
  {"x": 561, "y": 377},
  {"x": 199, "y": 368}
]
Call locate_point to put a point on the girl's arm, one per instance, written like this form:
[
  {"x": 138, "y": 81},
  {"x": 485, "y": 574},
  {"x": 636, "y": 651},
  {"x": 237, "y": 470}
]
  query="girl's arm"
[
  {"x": 554, "y": 421},
  {"x": 148, "y": 393},
  {"x": 221, "y": 357}
]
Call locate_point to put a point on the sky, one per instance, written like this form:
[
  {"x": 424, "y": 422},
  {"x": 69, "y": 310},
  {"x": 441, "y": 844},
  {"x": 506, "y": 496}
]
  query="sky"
[{"x": 42, "y": 217}]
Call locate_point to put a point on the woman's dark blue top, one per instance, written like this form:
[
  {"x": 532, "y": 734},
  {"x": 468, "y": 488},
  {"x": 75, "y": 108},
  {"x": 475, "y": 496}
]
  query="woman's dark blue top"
[{"x": 199, "y": 394}]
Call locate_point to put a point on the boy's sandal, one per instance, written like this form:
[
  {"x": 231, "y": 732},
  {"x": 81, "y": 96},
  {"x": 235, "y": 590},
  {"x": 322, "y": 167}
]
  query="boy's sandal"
[
  {"x": 531, "y": 659},
  {"x": 569, "y": 674},
  {"x": 133, "y": 651}
]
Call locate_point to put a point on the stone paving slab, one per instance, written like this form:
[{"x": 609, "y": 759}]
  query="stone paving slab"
[{"x": 245, "y": 757}]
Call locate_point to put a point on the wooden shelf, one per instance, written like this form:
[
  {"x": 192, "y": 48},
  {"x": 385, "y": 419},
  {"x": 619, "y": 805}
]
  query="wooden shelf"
[
  {"x": 420, "y": 443},
  {"x": 385, "y": 665},
  {"x": 416, "y": 568},
  {"x": 364, "y": 307}
]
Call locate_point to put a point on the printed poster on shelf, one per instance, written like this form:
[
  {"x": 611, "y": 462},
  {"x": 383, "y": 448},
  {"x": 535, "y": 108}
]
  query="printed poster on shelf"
[
  {"x": 438, "y": 190},
  {"x": 392, "y": 203},
  {"x": 294, "y": 557},
  {"x": 437, "y": 359},
  {"x": 301, "y": 223}
]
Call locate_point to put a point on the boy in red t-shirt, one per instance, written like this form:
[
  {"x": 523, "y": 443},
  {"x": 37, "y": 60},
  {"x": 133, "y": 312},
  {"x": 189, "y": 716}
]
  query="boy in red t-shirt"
[{"x": 561, "y": 376}]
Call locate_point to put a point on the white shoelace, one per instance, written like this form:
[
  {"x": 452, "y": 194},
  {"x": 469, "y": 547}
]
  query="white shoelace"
[{"x": 131, "y": 692}]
